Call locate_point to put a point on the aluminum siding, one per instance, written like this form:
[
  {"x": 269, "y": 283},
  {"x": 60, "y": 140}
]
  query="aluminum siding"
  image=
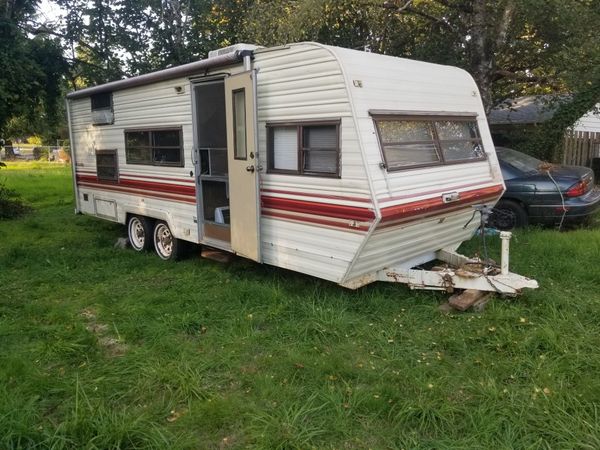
[
  {"x": 303, "y": 82},
  {"x": 162, "y": 192},
  {"x": 397, "y": 84}
]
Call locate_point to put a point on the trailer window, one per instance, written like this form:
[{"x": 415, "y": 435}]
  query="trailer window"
[
  {"x": 106, "y": 165},
  {"x": 102, "y": 109},
  {"x": 304, "y": 149},
  {"x": 154, "y": 147},
  {"x": 422, "y": 141}
]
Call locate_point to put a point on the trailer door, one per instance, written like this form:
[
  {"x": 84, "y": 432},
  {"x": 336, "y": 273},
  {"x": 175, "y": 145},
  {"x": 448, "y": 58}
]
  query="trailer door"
[{"x": 240, "y": 95}]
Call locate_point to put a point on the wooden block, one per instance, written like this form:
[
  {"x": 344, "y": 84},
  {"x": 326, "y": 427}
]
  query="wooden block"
[
  {"x": 480, "y": 304},
  {"x": 216, "y": 255},
  {"x": 446, "y": 308},
  {"x": 466, "y": 299}
]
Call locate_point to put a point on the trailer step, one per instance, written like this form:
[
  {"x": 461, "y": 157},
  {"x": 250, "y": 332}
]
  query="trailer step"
[{"x": 216, "y": 255}]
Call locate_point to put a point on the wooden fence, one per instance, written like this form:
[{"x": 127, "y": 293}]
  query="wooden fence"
[{"x": 579, "y": 147}]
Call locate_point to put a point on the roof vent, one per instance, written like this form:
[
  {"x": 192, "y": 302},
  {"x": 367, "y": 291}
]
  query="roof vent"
[{"x": 231, "y": 49}]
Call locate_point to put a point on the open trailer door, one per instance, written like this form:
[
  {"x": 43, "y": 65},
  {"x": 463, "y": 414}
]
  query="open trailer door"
[{"x": 240, "y": 95}]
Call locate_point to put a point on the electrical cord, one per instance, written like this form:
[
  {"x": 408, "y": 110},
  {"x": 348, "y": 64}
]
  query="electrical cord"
[
  {"x": 484, "y": 213},
  {"x": 562, "y": 199}
]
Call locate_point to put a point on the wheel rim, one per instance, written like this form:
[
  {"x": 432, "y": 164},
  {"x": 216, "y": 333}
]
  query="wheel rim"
[
  {"x": 504, "y": 219},
  {"x": 163, "y": 241},
  {"x": 137, "y": 234}
]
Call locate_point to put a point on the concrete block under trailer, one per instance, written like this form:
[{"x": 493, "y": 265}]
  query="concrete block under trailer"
[{"x": 345, "y": 165}]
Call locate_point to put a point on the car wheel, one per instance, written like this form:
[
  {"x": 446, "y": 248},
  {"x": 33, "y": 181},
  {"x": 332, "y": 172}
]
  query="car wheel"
[
  {"x": 167, "y": 246},
  {"x": 507, "y": 215},
  {"x": 139, "y": 230}
]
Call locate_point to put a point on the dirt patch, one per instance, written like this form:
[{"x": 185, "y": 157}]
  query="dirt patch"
[{"x": 112, "y": 346}]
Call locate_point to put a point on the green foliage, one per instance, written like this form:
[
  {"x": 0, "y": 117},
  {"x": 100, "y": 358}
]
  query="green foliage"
[
  {"x": 11, "y": 204},
  {"x": 41, "y": 153},
  {"x": 31, "y": 82}
]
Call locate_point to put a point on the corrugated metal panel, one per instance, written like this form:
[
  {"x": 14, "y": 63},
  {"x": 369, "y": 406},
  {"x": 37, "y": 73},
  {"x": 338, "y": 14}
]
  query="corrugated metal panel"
[
  {"x": 313, "y": 250},
  {"x": 304, "y": 82},
  {"x": 178, "y": 215},
  {"x": 395, "y": 246},
  {"x": 378, "y": 82},
  {"x": 156, "y": 105}
]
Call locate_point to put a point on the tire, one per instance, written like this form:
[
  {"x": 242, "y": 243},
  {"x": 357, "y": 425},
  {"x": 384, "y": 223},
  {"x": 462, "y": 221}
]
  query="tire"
[
  {"x": 139, "y": 232},
  {"x": 508, "y": 215},
  {"x": 167, "y": 247}
]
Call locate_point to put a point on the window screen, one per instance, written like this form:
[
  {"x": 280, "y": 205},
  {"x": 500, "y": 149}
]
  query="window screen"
[
  {"x": 304, "y": 149},
  {"x": 210, "y": 114},
  {"x": 154, "y": 147},
  {"x": 419, "y": 141},
  {"x": 106, "y": 165},
  {"x": 319, "y": 147}
]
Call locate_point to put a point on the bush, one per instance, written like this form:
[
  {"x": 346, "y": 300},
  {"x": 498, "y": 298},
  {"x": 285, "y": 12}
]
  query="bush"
[
  {"x": 40, "y": 153},
  {"x": 11, "y": 205}
]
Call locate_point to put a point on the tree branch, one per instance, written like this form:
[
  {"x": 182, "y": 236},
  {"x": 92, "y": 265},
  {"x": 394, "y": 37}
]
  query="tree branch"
[{"x": 504, "y": 24}]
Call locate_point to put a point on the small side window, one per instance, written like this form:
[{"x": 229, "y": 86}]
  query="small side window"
[
  {"x": 107, "y": 168},
  {"x": 102, "y": 109}
]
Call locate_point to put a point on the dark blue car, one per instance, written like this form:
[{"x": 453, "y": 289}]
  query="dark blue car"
[{"x": 542, "y": 193}]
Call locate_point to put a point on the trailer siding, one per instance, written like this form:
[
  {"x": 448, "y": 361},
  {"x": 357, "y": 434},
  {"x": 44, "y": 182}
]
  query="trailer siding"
[
  {"x": 310, "y": 224},
  {"x": 161, "y": 192},
  {"x": 378, "y": 82}
]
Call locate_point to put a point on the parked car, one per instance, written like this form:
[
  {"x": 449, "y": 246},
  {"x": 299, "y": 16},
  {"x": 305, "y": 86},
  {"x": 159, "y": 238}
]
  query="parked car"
[{"x": 539, "y": 192}]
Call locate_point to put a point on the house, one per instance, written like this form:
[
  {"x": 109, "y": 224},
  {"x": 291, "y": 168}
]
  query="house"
[{"x": 513, "y": 119}]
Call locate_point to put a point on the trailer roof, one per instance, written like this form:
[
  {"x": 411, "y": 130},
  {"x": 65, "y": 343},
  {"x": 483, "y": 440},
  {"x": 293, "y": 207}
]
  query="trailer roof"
[{"x": 160, "y": 75}]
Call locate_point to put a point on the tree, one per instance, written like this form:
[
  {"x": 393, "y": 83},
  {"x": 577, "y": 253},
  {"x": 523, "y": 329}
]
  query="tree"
[{"x": 30, "y": 86}]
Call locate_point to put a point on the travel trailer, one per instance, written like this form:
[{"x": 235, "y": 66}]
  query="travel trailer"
[{"x": 345, "y": 165}]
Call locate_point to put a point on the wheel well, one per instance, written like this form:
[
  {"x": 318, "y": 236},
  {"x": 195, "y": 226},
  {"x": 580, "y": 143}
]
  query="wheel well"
[
  {"x": 129, "y": 215},
  {"x": 515, "y": 200}
]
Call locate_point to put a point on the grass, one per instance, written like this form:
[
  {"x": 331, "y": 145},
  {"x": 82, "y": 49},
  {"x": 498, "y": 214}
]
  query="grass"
[{"x": 108, "y": 349}]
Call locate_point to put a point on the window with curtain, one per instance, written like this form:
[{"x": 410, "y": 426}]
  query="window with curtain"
[
  {"x": 304, "y": 149},
  {"x": 408, "y": 142}
]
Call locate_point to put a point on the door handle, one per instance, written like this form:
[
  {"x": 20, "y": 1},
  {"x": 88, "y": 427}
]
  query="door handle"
[{"x": 250, "y": 169}]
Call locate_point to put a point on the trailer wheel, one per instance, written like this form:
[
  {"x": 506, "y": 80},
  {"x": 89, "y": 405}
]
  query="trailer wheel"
[
  {"x": 139, "y": 230},
  {"x": 507, "y": 215},
  {"x": 167, "y": 246}
]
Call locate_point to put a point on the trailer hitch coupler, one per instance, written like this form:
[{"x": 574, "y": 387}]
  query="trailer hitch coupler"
[{"x": 505, "y": 237}]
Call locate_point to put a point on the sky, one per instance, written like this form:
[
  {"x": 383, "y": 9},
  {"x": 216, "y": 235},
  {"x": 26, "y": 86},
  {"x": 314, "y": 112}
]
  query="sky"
[{"x": 49, "y": 11}]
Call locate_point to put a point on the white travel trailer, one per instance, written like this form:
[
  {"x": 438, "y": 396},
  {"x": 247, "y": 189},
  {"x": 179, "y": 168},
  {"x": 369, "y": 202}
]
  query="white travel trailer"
[{"x": 341, "y": 164}]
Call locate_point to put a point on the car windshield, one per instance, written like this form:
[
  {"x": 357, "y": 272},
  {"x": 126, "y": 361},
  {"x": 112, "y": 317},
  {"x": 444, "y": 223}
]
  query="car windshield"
[{"x": 518, "y": 160}]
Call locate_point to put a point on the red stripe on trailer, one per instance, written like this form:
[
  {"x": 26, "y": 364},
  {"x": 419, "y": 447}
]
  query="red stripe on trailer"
[
  {"x": 421, "y": 207},
  {"x": 420, "y": 194},
  {"x": 144, "y": 185},
  {"x": 431, "y": 214},
  {"x": 141, "y": 193},
  {"x": 315, "y": 220},
  {"x": 179, "y": 180},
  {"x": 328, "y": 197},
  {"x": 318, "y": 209}
]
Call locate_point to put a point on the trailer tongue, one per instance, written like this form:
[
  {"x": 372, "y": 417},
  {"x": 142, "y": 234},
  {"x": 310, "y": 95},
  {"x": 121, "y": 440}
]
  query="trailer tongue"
[{"x": 460, "y": 272}]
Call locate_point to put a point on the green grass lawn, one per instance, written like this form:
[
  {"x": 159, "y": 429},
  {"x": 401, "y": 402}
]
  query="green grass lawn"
[{"x": 102, "y": 348}]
